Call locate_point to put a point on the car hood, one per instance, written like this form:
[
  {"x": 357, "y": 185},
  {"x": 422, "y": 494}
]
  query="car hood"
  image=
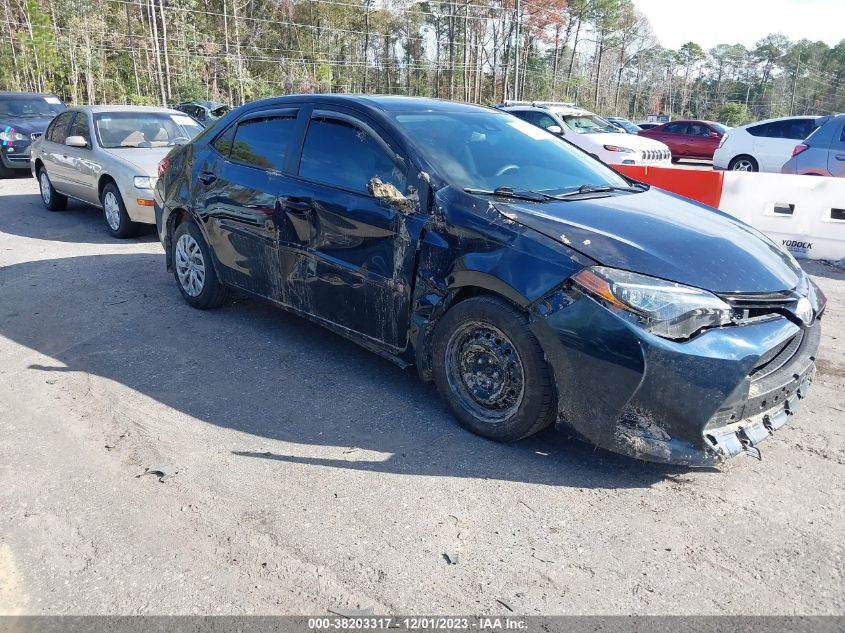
[
  {"x": 631, "y": 141},
  {"x": 145, "y": 159},
  {"x": 35, "y": 125},
  {"x": 660, "y": 234}
]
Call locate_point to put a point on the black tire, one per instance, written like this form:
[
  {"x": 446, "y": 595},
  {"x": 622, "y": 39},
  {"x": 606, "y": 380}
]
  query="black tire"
[
  {"x": 118, "y": 222},
  {"x": 476, "y": 334},
  {"x": 212, "y": 293},
  {"x": 743, "y": 162},
  {"x": 52, "y": 199}
]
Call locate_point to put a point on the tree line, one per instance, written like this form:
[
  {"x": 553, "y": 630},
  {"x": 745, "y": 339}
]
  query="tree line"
[{"x": 601, "y": 54}]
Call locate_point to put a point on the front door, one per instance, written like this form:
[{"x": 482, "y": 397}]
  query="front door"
[{"x": 347, "y": 255}]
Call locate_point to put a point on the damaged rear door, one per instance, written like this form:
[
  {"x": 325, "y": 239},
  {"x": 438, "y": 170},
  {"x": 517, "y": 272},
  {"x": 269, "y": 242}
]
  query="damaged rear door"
[{"x": 346, "y": 254}]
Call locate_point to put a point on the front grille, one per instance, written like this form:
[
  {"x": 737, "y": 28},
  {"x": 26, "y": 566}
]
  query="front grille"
[
  {"x": 656, "y": 155},
  {"x": 750, "y": 306},
  {"x": 36, "y": 135},
  {"x": 776, "y": 358}
]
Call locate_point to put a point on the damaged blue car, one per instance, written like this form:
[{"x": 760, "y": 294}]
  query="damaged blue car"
[{"x": 534, "y": 284}]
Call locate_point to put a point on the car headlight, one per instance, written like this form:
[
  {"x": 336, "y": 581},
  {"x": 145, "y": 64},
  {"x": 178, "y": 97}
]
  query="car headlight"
[
  {"x": 616, "y": 148},
  {"x": 145, "y": 182},
  {"x": 12, "y": 136},
  {"x": 661, "y": 307}
]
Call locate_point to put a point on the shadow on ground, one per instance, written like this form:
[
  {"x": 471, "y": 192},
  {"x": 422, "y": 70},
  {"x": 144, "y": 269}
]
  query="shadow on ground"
[
  {"x": 257, "y": 369},
  {"x": 80, "y": 222}
]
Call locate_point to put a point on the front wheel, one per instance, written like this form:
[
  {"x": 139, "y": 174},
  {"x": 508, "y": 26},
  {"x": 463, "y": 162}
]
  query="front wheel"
[
  {"x": 491, "y": 370},
  {"x": 52, "y": 199},
  {"x": 193, "y": 269},
  {"x": 117, "y": 219}
]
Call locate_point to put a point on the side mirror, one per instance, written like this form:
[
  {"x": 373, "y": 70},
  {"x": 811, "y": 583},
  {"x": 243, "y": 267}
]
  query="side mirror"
[
  {"x": 76, "y": 141},
  {"x": 389, "y": 193},
  {"x": 555, "y": 129}
]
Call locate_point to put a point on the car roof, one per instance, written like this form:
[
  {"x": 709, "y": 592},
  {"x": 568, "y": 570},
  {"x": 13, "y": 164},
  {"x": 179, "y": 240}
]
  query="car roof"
[
  {"x": 548, "y": 108},
  {"x": 780, "y": 118},
  {"x": 380, "y": 103},
  {"x": 98, "y": 109}
]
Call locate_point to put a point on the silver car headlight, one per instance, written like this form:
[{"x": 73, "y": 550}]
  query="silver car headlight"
[
  {"x": 145, "y": 182},
  {"x": 664, "y": 308},
  {"x": 12, "y": 136}
]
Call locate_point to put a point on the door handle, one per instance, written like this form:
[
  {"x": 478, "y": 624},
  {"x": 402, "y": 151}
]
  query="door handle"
[
  {"x": 206, "y": 177},
  {"x": 297, "y": 205},
  {"x": 839, "y": 156}
]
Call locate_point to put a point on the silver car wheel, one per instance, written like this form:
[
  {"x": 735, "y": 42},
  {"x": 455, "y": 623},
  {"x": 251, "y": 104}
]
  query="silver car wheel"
[
  {"x": 111, "y": 209},
  {"x": 190, "y": 266},
  {"x": 743, "y": 165},
  {"x": 44, "y": 182}
]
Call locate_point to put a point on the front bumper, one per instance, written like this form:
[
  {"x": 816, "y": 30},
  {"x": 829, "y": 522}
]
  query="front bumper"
[
  {"x": 15, "y": 156},
  {"x": 693, "y": 403}
]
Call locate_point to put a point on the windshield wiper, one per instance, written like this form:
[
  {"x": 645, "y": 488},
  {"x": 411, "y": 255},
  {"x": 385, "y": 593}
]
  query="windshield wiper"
[
  {"x": 583, "y": 189},
  {"x": 507, "y": 192}
]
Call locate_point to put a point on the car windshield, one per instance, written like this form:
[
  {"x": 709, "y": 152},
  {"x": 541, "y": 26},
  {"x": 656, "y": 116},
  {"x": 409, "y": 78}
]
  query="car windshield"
[
  {"x": 588, "y": 123},
  {"x": 488, "y": 150},
  {"x": 31, "y": 107},
  {"x": 144, "y": 129}
]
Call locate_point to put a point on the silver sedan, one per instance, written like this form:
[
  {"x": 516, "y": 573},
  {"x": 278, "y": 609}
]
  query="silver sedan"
[{"x": 108, "y": 156}]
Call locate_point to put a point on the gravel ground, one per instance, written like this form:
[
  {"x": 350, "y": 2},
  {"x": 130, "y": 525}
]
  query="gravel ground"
[{"x": 313, "y": 475}]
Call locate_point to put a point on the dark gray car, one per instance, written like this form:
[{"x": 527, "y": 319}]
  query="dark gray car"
[{"x": 822, "y": 153}]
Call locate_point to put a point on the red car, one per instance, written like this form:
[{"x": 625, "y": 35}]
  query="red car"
[{"x": 688, "y": 139}]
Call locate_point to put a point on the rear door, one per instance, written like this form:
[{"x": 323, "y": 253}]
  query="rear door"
[
  {"x": 675, "y": 136},
  {"x": 836, "y": 155},
  {"x": 54, "y": 150},
  {"x": 346, "y": 255},
  {"x": 237, "y": 184}
]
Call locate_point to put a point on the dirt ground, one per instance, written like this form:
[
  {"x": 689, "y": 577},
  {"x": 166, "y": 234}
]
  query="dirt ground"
[{"x": 307, "y": 474}]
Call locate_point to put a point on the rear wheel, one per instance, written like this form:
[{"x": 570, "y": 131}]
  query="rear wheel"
[
  {"x": 491, "y": 370},
  {"x": 52, "y": 199},
  {"x": 743, "y": 163},
  {"x": 117, "y": 219},
  {"x": 193, "y": 269}
]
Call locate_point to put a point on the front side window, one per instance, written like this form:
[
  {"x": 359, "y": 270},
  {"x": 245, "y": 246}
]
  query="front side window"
[
  {"x": 343, "y": 155},
  {"x": 80, "y": 127},
  {"x": 540, "y": 119},
  {"x": 263, "y": 142},
  {"x": 487, "y": 150},
  {"x": 58, "y": 128},
  {"x": 143, "y": 129}
]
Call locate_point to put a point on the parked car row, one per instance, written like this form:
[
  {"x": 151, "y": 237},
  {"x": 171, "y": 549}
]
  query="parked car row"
[
  {"x": 533, "y": 283},
  {"x": 590, "y": 132}
]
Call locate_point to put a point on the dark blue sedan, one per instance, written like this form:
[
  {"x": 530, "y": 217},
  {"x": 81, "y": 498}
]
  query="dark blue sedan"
[{"x": 531, "y": 282}]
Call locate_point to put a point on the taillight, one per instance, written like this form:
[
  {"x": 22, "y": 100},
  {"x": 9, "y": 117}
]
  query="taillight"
[
  {"x": 800, "y": 148},
  {"x": 724, "y": 138},
  {"x": 162, "y": 166}
]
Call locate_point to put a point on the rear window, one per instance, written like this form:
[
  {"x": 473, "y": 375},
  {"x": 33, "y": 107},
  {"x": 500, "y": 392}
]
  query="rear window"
[{"x": 263, "y": 142}]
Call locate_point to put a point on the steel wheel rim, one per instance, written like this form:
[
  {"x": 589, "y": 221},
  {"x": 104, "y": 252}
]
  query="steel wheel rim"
[
  {"x": 743, "y": 165},
  {"x": 112, "y": 210},
  {"x": 484, "y": 371},
  {"x": 190, "y": 265},
  {"x": 44, "y": 181}
]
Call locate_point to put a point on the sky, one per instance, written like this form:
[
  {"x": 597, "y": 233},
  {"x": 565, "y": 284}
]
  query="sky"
[{"x": 676, "y": 22}]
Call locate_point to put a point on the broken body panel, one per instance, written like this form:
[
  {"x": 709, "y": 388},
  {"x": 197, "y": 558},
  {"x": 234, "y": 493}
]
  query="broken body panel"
[{"x": 383, "y": 271}]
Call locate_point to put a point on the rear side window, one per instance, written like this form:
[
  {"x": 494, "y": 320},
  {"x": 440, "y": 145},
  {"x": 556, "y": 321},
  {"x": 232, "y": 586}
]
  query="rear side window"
[
  {"x": 676, "y": 128},
  {"x": 340, "y": 154},
  {"x": 759, "y": 130},
  {"x": 540, "y": 119},
  {"x": 58, "y": 128},
  {"x": 80, "y": 127},
  {"x": 263, "y": 142}
]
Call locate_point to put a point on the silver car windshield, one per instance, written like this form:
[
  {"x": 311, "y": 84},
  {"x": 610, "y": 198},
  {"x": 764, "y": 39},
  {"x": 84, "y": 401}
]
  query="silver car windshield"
[{"x": 144, "y": 129}]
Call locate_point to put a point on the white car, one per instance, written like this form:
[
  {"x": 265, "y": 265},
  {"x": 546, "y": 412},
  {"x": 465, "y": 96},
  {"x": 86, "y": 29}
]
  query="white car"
[
  {"x": 592, "y": 133},
  {"x": 763, "y": 146}
]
